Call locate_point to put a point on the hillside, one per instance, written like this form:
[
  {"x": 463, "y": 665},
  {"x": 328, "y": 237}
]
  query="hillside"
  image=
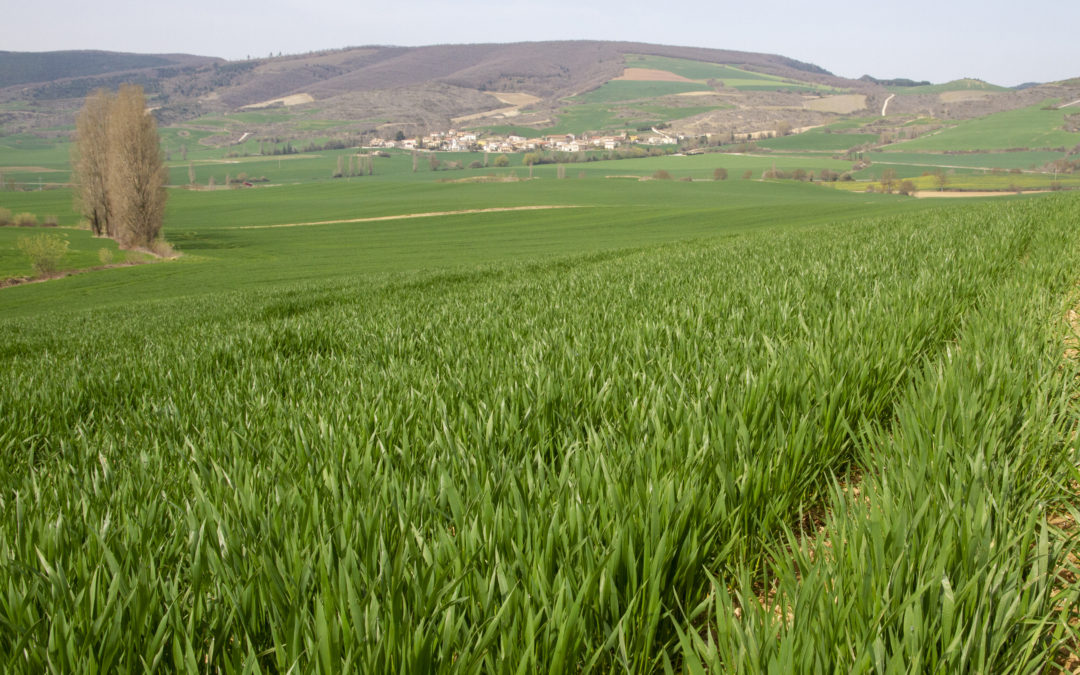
[
  {"x": 525, "y": 89},
  {"x": 390, "y": 85}
]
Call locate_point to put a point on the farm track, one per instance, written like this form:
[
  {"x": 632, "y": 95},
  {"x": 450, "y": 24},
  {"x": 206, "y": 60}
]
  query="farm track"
[{"x": 409, "y": 216}]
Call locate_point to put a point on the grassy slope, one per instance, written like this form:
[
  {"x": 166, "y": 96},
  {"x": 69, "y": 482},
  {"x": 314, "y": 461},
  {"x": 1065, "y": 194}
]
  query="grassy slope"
[
  {"x": 1031, "y": 127},
  {"x": 955, "y": 85}
]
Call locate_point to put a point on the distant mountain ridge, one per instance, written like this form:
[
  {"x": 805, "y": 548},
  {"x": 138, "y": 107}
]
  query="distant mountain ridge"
[{"x": 39, "y": 67}]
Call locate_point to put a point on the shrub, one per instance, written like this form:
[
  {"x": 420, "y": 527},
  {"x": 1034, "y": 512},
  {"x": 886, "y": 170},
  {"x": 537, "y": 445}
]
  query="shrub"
[
  {"x": 26, "y": 220},
  {"x": 661, "y": 175},
  {"x": 907, "y": 188},
  {"x": 502, "y": 161},
  {"x": 475, "y": 164},
  {"x": 719, "y": 174},
  {"x": 105, "y": 256},
  {"x": 5, "y": 217},
  {"x": 686, "y": 179},
  {"x": 162, "y": 249},
  {"x": 50, "y": 221},
  {"x": 748, "y": 174},
  {"x": 45, "y": 252}
]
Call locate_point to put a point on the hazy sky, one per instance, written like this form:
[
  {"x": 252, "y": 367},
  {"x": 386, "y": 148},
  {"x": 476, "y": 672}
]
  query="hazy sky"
[{"x": 1001, "y": 41}]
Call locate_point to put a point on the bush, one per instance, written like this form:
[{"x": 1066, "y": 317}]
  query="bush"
[
  {"x": 686, "y": 179},
  {"x": 502, "y": 161},
  {"x": 26, "y": 220},
  {"x": 661, "y": 175},
  {"x": 719, "y": 174},
  {"x": 907, "y": 188},
  {"x": 50, "y": 221},
  {"x": 475, "y": 164},
  {"x": 5, "y": 217},
  {"x": 45, "y": 252},
  {"x": 747, "y": 175},
  {"x": 105, "y": 256}
]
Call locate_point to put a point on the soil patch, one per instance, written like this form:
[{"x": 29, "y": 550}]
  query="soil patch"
[
  {"x": 651, "y": 75},
  {"x": 515, "y": 98},
  {"x": 294, "y": 99},
  {"x": 842, "y": 105}
]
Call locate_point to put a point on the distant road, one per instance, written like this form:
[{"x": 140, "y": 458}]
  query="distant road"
[
  {"x": 886, "y": 106},
  {"x": 1069, "y": 104}
]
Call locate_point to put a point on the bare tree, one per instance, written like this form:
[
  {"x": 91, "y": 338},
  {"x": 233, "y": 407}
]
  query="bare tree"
[
  {"x": 941, "y": 179},
  {"x": 888, "y": 181},
  {"x": 89, "y": 161},
  {"x": 136, "y": 175}
]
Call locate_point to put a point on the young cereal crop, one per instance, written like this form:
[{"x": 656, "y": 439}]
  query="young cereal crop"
[{"x": 596, "y": 463}]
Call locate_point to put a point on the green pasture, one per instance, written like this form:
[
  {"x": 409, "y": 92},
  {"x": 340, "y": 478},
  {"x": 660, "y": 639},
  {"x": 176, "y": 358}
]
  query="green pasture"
[
  {"x": 695, "y": 70},
  {"x": 731, "y": 76},
  {"x": 966, "y": 84},
  {"x": 1032, "y": 127},
  {"x": 1026, "y": 160},
  {"x": 319, "y": 167}
]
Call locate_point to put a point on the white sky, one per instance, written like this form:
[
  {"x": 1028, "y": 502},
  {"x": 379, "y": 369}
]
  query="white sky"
[{"x": 1001, "y": 41}]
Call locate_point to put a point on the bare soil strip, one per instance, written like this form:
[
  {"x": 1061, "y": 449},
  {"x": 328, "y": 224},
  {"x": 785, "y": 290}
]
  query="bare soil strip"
[
  {"x": 294, "y": 99},
  {"x": 409, "y": 216},
  {"x": 651, "y": 75},
  {"x": 932, "y": 194},
  {"x": 519, "y": 99}
]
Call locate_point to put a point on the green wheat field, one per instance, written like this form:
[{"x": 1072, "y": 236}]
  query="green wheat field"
[{"x": 673, "y": 426}]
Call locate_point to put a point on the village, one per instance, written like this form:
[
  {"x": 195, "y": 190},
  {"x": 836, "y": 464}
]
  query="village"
[{"x": 470, "y": 141}]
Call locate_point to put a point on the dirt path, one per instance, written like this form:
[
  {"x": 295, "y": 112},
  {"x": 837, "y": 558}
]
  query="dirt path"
[
  {"x": 409, "y": 216},
  {"x": 886, "y": 106}
]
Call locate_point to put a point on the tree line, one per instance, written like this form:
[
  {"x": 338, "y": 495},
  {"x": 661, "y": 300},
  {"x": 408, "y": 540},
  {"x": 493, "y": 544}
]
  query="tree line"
[{"x": 118, "y": 167}]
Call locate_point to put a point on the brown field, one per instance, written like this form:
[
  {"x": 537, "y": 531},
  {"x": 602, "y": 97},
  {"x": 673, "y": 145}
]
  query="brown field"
[
  {"x": 843, "y": 104},
  {"x": 651, "y": 75}
]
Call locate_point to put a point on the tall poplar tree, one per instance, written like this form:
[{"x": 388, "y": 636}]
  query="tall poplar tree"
[
  {"x": 118, "y": 166},
  {"x": 137, "y": 174},
  {"x": 90, "y": 161}
]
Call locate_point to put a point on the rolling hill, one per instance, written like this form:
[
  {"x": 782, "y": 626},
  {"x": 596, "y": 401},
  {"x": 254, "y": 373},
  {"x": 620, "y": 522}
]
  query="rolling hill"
[{"x": 526, "y": 89}]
